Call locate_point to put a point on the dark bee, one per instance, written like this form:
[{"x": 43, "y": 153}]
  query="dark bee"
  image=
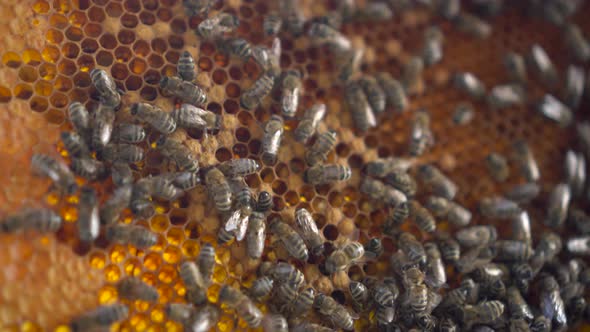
[
  {"x": 121, "y": 152},
  {"x": 141, "y": 204},
  {"x": 412, "y": 248},
  {"x": 499, "y": 208},
  {"x": 358, "y": 106},
  {"x": 74, "y": 144},
  {"x": 162, "y": 187},
  {"x": 216, "y": 26},
  {"x": 190, "y": 116},
  {"x": 137, "y": 236},
  {"x": 432, "y": 50},
  {"x": 224, "y": 236},
  {"x": 197, "y": 7},
  {"x": 38, "y": 219},
  {"x": 395, "y": 95},
  {"x": 379, "y": 191},
  {"x": 373, "y": 248},
  {"x": 464, "y": 113},
  {"x": 275, "y": 323},
  {"x": 102, "y": 126},
  {"x": 516, "y": 67},
  {"x": 242, "y": 304},
  {"x": 472, "y": 25},
  {"x": 347, "y": 255},
  {"x": 287, "y": 273},
  {"x": 293, "y": 19},
  {"x": 101, "y": 317},
  {"x": 412, "y": 74},
  {"x": 479, "y": 235},
  {"x": 79, "y": 118},
  {"x": 505, "y": 96},
  {"x": 397, "y": 215},
  {"x": 374, "y": 11},
  {"x": 555, "y": 110},
  {"x": 56, "y": 170},
  {"x": 181, "y": 155},
  {"x": 517, "y": 305},
  {"x": 551, "y": 303},
  {"x": 264, "y": 203},
  {"x": 88, "y": 217},
  {"x": 179, "y": 312},
  {"x": 558, "y": 205},
  {"x": 469, "y": 84},
  {"x": 155, "y": 116},
  {"x": 186, "y": 180},
  {"x": 273, "y": 135},
  {"x": 302, "y": 303},
  {"x": 322, "y": 34},
  {"x": 498, "y": 166},
  {"x": 319, "y": 151},
  {"x": 292, "y": 242},
  {"x": 291, "y": 89},
  {"x": 206, "y": 261},
  {"x": 121, "y": 174},
  {"x": 381, "y": 167},
  {"x": 421, "y": 137},
  {"x": 186, "y": 67},
  {"x": 359, "y": 294},
  {"x": 512, "y": 250},
  {"x": 328, "y": 307},
  {"x": 383, "y": 295},
  {"x": 194, "y": 282},
  {"x": 272, "y": 24},
  {"x": 269, "y": 58},
  {"x": 311, "y": 327},
  {"x": 521, "y": 228},
  {"x": 577, "y": 45},
  {"x": 349, "y": 64},
  {"x": 112, "y": 208},
  {"x": 436, "y": 269},
  {"x": 128, "y": 133},
  {"x": 523, "y": 193},
  {"x": 134, "y": 289},
  {"x": 579, "y": 245},
  {"x": 528, "y": 164},
  {"x": 236, "y": 168},
  {"x": 239, "y": 47},
  {"x": 439, "y": 183},
  {"x": 309, "y": 230},
  {"x": 542, "y": 66},
  {"x": 106, "y": 87},
  {"x": 374, "y": 92},
  {"x": 89, "y": 169},
  {"x": 575, "y": 172},
  {"x": 422, "y": 217},
  {"x": 309, "y": 123},
  {"x": 254, "y": 95},
  {"x": 484, "y": 312},
  {"x": 321, "y": 174},
  {"x": 218, "y": 188},
  {"x": 541, "y": 324},
  {"x": 183, "y": 90},
  {"x": 256, "y": 235},
  {"x": 574, "y": 86},
  {"x": 402, "y": 181},
  {"x": 261, "y": 288},
  {"x": 449, "y": 248}
]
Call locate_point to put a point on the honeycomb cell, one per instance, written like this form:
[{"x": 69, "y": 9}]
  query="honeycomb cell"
[
  {"x": 267, "y": 175},
  {"x": 62, "y": 6},
  {"x": 150, "y": 4},
  {"x": 27, "y": 74},
  {"x": 11, "y": 59},
  {"x": 97, "y": 260},
  {"x": 292, "y": 198},
  {"x": 133, "y": 83},
  {"x": 223, "y": 154},
  {"x": 77, "y": 18},
  {"x": 152, "y": 77},
  {"x": 119, "y": 71},
  {"x": 112, "y": 273},
  {"x": 155, "y": 61},
  {"x": 126, "y": 36},
  {"x": 331, "y": 232},
  {"x": 172, "y": 56},
  {"x": 171, "y": 255},
  {"x": 41, "y": 7},
  {"x": 23, "y": 91},
  {"x": 117, "y": 253},
  {"x": 152, "y": 261},
  {"x": 89, "y": 46},
  {"x": 31, "y": 57},
  {"x": 113, "y": 9},
  {"x": 108, "y": 41},
  {"x": 159, "y": 45},
  {"x": 148, "y": 93},
  {"x": 133, "y": 6},
  {"x": 279, "y": 187},
  {"x": 85, "y": 63},
  {"x": 147, "y": 18},
  {"x": 63, "y": 84},
  {"x": 159, "y": 223},
  {"x": 104, "y": 58},
  {"x": 175, "y": 236},
  {"x": 168, "y": 273},
  {"x": 192, "y": 230},
  {"x": 70, "y": 50},
  {"x": 5, "y": 94},
  {"x": 132, "y": 267},
  {"x": 92, "y": 30},
  {"x": 123, "y": 54},
  {"x": 205, "y": 64},
  {"x": 66, "y": 67},
  {"x": 74, "y": 34},
  {"x": 96, "y": 14},
  {"x": 164, "y": 14}
]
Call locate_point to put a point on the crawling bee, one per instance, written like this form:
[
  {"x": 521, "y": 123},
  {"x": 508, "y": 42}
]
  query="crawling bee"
[
  {"x": 463, "y": 114},
  {"x": 321, "y": 174},
  {"x": 575, "y": 172},
  {"x": 422, "y": 217},
  {"x": 552, "y": 305},
  {"x": 322, "y": 34},
  {"x": 311, "y": 327},
  {"x": 350, "y": 63},
  {"x": 112, "y": 208},
  {"x": 439, "y": 183},
  {"x": 224, "y": 236},
  {"x": 472, "y": 25},
  {"x": 137, "y": 236},
  {"x": 186, "y": 67},
  {"x": 197, "y": 7},
  {"x": 309, "y": 123},
  {"x": 261, "y": 288},
  {"x": 412, "y": 248},
  {"x": 558, "y": 205},
  {"x": 242, "y": 305},
  {"x": 89, "y": 169},
  {"x": 292, "y": 242},
  {"x": 512, "y": 250},
  {"x": 179, "y": 153},
  {"x": 121, "y": 174},
  {"x": 101, "y": 317},
  {"x": 128, "y": 133},
  {"x": 194, "y": 282},
  {"x": 374, "y": 92},
  {"x": 293, "y": 18},
  {"x": 273, "y": 135},
  {"x": 328, "y": 307},
  {"x": 523, "y": 193},
  {"x": 302, "y": 303},
  {"x": 395, "y": 95},
  {"x": 74, "y": 144},
  {"x": 275, "y": 323},
  {"x": 344, "y": 257},
  {"x": 421, "y": 137},
  {"x": 256, "y": 235},
  {"x": 498, "y": 166},
  {"x": 206, "y": 261},
  {"x": 183, "y": 90},
  {"x": 264, "y": 203},
  {"x": 574, "y": 86},
  {"x": 438, "y": 206},
  {"x": 383, "y": 166},
  {"x": 517, "y": 305},
  {"x": 134, "y": 289},
  {"x": 432, "y": 50},
  {"x": 449, "y": 248},
  {"x": 239, "y": 47},
  {"x": 362, "y": 114},
  {"x": 79, "y": 118},
  {"x": 189, "y": 116},
  {"x": 287, "y": 273},
  {"x": 412, "y": 74},
  {"x": 102, "y": 129},
  {"x": 155, "y": 116},
  {"x": 121, "y": 152},
  {"x": 374, "y": 248},
  {"x": 204, "y": 319},
  {"x": 106, "y": 87},
  {"x": 56, "y": 170},
  {"x": 484, "y": 312},
  {"x": 359, "y": 294},
  {"x": 576, "y": 43},
  {"x": 379, "y": 191},
  {"x": 383, "y": 295},
  {"x": 516, "y": 67},
  {"x": 318, "y": 153},
  {"x": 162, "y": 187},
  {"x": 236, "y": 168},
  {"x": 402, "y": 181},
  {"x": 186, "y": 180},
  {"x": 38, "y": 219},
  {"x": 397, "y": 215},
  {"x": 268, "y": 58},
  {"x": 179, "y": 312},
  {"x": 528, "y": 163},
  {"x": 499, "y": 208},
  {"x": 254, "y": 95},
  {"x": 309, "y": 230},
  {"x": 435, "y": 271},
  {"x": 271, "y": 25},
  {"x": 88, "y": 217},
  {"x": 542, "y": 66},
  {"x": 469, "y": 84},
  {"x": 507, "y": 95},
  {"x": 218, "y": 188},
  {"x": 215, "y": 27},
  {"x": 291, "y": 89}
]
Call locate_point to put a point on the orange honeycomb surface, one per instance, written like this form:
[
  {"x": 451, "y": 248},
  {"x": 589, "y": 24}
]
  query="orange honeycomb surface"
[{"x": 49, "y": 48}]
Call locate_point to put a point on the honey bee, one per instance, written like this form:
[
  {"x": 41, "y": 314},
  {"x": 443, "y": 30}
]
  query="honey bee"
[
  {"x": 194, "y": 282},
  {"x": 362, "y": 114},
  {"x": 383, "y": 295},
  {"x": 112, "y": 208},
  {"x": 287, "y": 273},
  {"x": 374, "y": 11},
  {"x": 291, "y": 89},
  {"x": 239, "y": 47},
  {"x": 449, "y": 248},
  {"x": 412, "y": 74},
  {"x": 271, "y": 25},
  {"x": 513, "y": 250},
  {"x": 102, "y": 129},
  {"x": 328, "y": 307},
  {"x": 374, "y": 248},
  {"x": 206, "y": 261},
  {"x": 186, "y": 180},
  {"x": 575, "y": 172},
  {"x": 106, "y": 87},
  {"x": 179, "y": 312},
  {"x": 292, "y": 241},
  {"x": 179, "y": 153},
  {"x": 155, "y": 116},
  {"x": 552, "y": 305},
  {"x": 480, "y": 235},
  {"x": 498, "y": 166},
  {"x": 163, "y": 188},
  {"x": 103, "y": 316},
  {"x": 412, "y": 248},
  {"x": 438, "y": 206},
  {"x": 323, "y": 34},
  {"x": 397, "y": 215},
  {"x": 242, "y": 305},
  {"x": 128, "y": 133},
  {"x": 319, "y": 151},
  {"x": 268, "y": 58},
  {"x": 374, "y": 92},
  {"x": 321, "y": 174},
  {"x": 79, "y": 118},
  {"x": 39, "y": 219},
  {"x": 293, "y": 18},
  {"x": 421, "y": 137},
  {"x": 261, "y": 288},
  {"x": 183, "y": 90},
  {"x": 56, "y": 170},
  {"x": 542, "y": 66},
  {"x": 273, "y": 135},
  {"x": 523, "y": 193},
  {"x": 186, "y": 67},
  {"x": 517, "y": 305},
  {"x": 256, "y": 235},
  {"x": 254, "y": 95},
  {"x": 435, "y": 271},
  {"x": 528, "y": 164},
  {"x": 383, "y": 166},
  {"x": 310, "y": 233},
  {"x": 484, "y": 312},
  {"x": 275, "y": 323},
  {"x": 215, "y": 27},
  {"x": 350, "y": 64},
  {"x": 402, "y": 181},
  {"x": 472, "y": 25},
  {"x": 422, "y": 217},
  {"x": 137, "y": 236},
  {"x": 302, "y": 303},
  {"x": 395, "y": 95},
  {"x": 219, "y": 190},
  {"x": 89, "y": 169},
  {"x": 359, "y": 294},
  {"x": 516, "y": 67},
  {"x": 347, "y": 255},
  {"x": 432, "y": 50},
  {"x": 558, "y": 205},
  {"x": 505, "y": 96},
  {"x": 236, "y": 168},
  {"x": 574, "y": 86},
  {"x": 311, "y": 327},
  {"x": 121, "y": 152},
  {"x": 132, "y": 288},
  {"x": 204, "y": 319},
  {"x": 439, "y": 183},
  {"x": 197, "y": 7},
  {"x": 88, "y": 217},
  {"x": 309, "y": 123},
  {"x": 579, "y": 245},
  {"x": 384, "y": 315},
  {"x": 576, "y": 43},
  {"x": 469, "y": 84},
  {"x": 140, "y": 203},
  {"x": 74, "y": 144},
  {"x": 447, "y": 324},
  {"x": 189, "y": 116},
  {"x": 264, "y": 203},
  {"x": 121, "y": 174},
  {"x": 416, "y": 297},
  {"x": 224, "y": 236},
  {"x": 379, "y": 191}
]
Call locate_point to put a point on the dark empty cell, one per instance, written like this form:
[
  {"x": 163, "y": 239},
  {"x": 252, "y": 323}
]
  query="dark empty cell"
[
  {"x": 299, "y": 56},
  {"x": 66, "y": 67},
  {"x": 63, "y": 84},
  {"x": 132, "y": 6},
  {"x": 254, "y": 147},
  {"x": 223, "y": 154},
  {"x": 47, "y": 71},
  {"x": 371, "y": 141},
  {"x": 58, "y": 100},
  {"x": 133, "y": 83},
  {"x": 172, "y": 56},
  {"x": 285, "y": 61},
  {"x": 126, "y": 36},
  {"x": 245, "y": 118},
  {"x": 261, "y": 115},
  {"x": 355, "y": 161},
  {"x": 141, "y": 48},
  {"x": 148, "y": 93},
  {"x": 152, "y": 77},
  {"x": 150, "y": 4},
  {"x": 147, "y": 18},
  {"x": 244, "y": 28},
  {"x": 192, "y": 230},
  {"x": 286, "y": 44},
  {"x": 70, "y": 50},
  {"x": 310, "y": 85},
  {"x": 27, "y": 74},
  {"x": 323, "y": 189},
  {"x": 214, "y": 107},
  {"x": 219, "y": 76},
  {"x": 279, "y": 187},
  {"x": 235, "y": 73},
  {"x": 194, "y": 133},
  {"x": 100, "y": 2},
  {"x": 81, "y": 248},
  {"x": 240, "y": 150},
  {"x": 178, "y": 26},
  {"x": 96, "y": 14},
  {"x": 89, "y": 46},
  {"x": 119, "y": 71},
  {"x": 267, "y": 175},
  {"x": 251, "y": 69},
  {"x": 55, "y": 116},
  {"x": 291, "y": 198},
  {"x": 278, "y": 203},
  {"x": 339, "y": 296},
  {"x": 252, "y": 180},
  {"x": 108, "y": 41},
  {"x": 246, "y": 12},
  {"x": 23, "y": 91},
  {"x": 311, "y": 69},
  {"x": 242, "y": 134},
  {"x": 82, "y": 79},
  {"x": 159, "y": 45},
  {"x": 297, "y": 165},
  {"x": 155, "y": 61},
  {"x": 123, "y": 54},
  {"x": 38, "y": 104},
  {"x": 221, "y": 60},
  {"x": 80, "y": 95},
  {"x": 231, "y": 106},
  {"x": 232, "y": 90},
  {"x": 74, "y": 34},
  {"x": 331, "y": 232},
  {"x": 114, "y": 9},
  {"x": 54, "y": 36},
  {"x": 207, "y": 48},
  {"x": 129, "y": 21},
  {"x": 336, "y": 199},
  {"x": 104, "y": 58},
  {"x": 178, "y": 217},
  {"x": 205, "y": 64},
  {"x": 307, "y": 193},
  {"x": 176, "y": 42},
  {"x": 362, "y": 222},
  {"x": 164, "y": 14},
  {"x": 349, "y": 210}
]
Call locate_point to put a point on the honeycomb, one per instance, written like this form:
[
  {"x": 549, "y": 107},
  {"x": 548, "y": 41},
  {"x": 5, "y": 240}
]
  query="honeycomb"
[{"x": 49, "y": 49}]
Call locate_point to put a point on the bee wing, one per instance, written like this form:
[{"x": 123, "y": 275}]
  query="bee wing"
[
  {"x": 307, "y": 225},
  {"x": 234, "y": 220},
  {"x": 242, "y": 228}
]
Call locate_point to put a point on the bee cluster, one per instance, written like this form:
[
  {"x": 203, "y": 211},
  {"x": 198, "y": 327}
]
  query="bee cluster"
[{"x": 463, "y": 276}]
